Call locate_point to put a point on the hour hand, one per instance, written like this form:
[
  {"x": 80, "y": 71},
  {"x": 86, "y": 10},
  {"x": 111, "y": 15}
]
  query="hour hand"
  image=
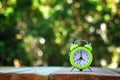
[
  {"x": 83, "y": 59},
  {"x": 80, "y": 58}
]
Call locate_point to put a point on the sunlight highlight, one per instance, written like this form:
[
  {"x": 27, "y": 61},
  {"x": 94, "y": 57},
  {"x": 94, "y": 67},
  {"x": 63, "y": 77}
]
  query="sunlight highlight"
[
  {"x": 103, "y": 32},
  {"x": 89, "y": 18},
  {"x": 103, "y": 62},
  {"x": 69, "y": 1},
  {"x": 42, "y": 41},
  {"x": 40, "y": 53},
  {"x": 17, "y": 63}
]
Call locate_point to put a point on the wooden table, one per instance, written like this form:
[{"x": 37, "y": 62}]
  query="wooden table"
[{"x": 58, "y": 73}]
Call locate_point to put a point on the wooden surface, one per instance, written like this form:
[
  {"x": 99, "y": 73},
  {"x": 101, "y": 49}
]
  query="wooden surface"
[
  {"x": 58, "y": 73},
  {"x": 26, "y": 73},
  {"x": 96, "y": 74},
  {"x": 14, "y": 76}
]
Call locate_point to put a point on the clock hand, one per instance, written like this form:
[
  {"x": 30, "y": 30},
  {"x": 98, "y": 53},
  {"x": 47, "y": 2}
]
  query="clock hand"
[
  {"x": 79, "y": 58},
  {"x": 80, "y": 53},
  {"x": 83, "y": 59}
]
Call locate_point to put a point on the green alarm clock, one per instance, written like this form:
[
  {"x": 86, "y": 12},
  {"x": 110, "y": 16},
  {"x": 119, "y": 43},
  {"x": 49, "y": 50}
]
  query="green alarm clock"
[{"x": 81, "y": 56}]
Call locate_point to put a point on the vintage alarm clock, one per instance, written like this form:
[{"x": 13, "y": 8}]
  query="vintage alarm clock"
[{"x": 81, "y": 55}]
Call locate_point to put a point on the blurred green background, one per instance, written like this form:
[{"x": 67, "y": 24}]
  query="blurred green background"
[{"x": 39, "y": 32}]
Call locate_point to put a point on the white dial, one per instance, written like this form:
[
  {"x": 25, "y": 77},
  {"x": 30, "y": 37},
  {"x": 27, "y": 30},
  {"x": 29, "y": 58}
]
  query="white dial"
[{"x": 81, "y": 57}]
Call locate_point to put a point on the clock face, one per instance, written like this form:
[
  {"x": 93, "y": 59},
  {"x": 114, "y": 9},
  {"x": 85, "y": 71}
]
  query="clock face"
[{"x": 81, "y": 57}]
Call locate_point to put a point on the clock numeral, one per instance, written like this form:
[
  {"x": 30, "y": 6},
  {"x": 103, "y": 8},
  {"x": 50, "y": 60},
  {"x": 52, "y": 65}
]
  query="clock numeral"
[
  {"x": 84, "y": 63},
  {"x": 75, "y": 61},
  {"x": 86, "y": 54},
  {"x": 73, "y": 57}
]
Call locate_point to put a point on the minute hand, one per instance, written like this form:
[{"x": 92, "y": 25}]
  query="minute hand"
[
  {"x": 80, "y": 53},
  {"x": 81, "y": 56}
]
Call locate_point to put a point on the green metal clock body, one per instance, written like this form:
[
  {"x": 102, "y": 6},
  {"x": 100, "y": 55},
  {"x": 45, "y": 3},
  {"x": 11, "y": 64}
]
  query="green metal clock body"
[{"x": 81, "y": 57}]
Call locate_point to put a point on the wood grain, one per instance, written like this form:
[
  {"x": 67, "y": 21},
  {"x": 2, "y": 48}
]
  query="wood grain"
[
  {"x": 96, "y": 74},
  {"x": 13, "y": 76},
  {"x": 81, "y": 77}
]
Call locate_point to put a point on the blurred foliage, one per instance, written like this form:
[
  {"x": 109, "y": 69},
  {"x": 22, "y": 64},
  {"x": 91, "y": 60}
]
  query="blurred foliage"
[{"x": 38, "y": 32}]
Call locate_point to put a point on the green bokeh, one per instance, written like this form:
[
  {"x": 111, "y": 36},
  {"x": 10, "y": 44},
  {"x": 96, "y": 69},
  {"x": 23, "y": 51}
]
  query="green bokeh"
[{"x": 39, "y": 32}]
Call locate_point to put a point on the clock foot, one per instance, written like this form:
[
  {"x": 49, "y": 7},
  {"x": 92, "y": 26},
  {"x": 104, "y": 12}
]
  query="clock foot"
[
  {"x": 72, "y": 69},
  {"x": 90, "y": 69},
  {"x": 80, "y": 69}
]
